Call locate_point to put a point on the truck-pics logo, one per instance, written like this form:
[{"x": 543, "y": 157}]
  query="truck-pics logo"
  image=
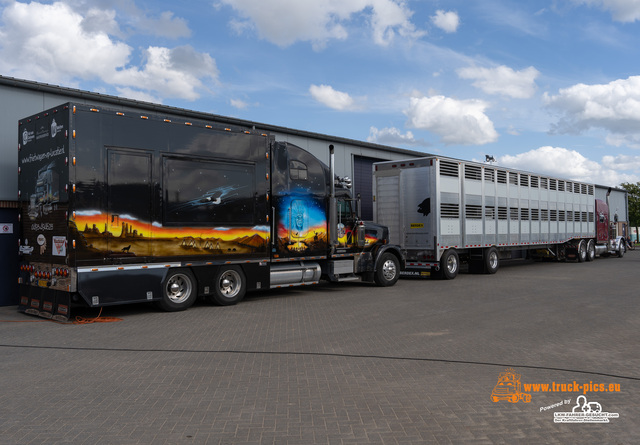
[{"x": 509, "y": 388}]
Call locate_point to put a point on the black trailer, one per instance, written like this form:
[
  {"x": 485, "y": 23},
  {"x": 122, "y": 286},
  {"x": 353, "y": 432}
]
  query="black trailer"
[{"x": 118, "y": 207}]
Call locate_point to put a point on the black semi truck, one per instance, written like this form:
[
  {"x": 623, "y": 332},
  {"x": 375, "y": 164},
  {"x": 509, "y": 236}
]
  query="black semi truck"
[{"x": 119, "y": 207}]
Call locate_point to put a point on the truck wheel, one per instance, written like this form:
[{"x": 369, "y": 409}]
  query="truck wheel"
[
  {"x": 491, "y": 260},
  {"x": 450, "y": 264},
  {"x": 178, "y": 291},
  {"x": 229, "y": 287},
  {"x": 621, "y": 250},
  {"x": 388, "y": 270},
  {"x": 582, "y": 251},
  {"x": 591, "y": 250}
]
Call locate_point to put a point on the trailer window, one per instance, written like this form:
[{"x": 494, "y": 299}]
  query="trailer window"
[
  {"x": 449, "y": 169},
  {"x": 489, "y": 175},
  {"x": 473, "y": 211},
  {"x": 472, "y": 172},
  {"x": 544, "y": 215},
  {"x": 490, "y": 213},
  {"x": 513, "y": 178},
  {"x": 449, "y": 210},
  {"x": 203, "y": 192},
  {"x": 502, "y": 177},
  {"x": 535, "y": 214}
]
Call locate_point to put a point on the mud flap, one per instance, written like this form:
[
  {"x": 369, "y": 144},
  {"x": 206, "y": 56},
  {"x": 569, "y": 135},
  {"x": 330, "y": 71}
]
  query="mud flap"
[{"x": 44, "y": 303}]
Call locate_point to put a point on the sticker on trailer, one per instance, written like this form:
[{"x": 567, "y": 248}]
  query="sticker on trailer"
[
  {"x": 6, "y": 228},
  {"x": 42, "y": 242},
  {"x": 26, "y": 249},
  {"x": 59, "y": 245}
]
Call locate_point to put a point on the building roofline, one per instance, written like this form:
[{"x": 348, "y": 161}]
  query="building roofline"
[{"x": 166, "y": 109}]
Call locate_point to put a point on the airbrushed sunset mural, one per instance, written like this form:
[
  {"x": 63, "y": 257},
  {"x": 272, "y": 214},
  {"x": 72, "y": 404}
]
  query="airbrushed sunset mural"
[{"x": 124, "y": 235}]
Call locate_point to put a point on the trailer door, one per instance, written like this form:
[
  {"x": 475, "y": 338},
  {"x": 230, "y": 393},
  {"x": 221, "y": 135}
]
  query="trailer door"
[
  {"x": 388, "y": 199},
  {"x": 129, "y": 203}
]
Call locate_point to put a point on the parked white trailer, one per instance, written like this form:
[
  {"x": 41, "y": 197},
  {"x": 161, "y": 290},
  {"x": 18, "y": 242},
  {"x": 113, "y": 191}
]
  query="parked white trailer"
[{"x": 444, "y": 211}]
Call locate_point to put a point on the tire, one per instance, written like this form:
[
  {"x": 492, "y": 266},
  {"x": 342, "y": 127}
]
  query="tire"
[
  {"x": 229, "y": 287},
  {"x": 178, "y": 291},
  {"x": 450, "y": 264},
  {"x": 621, "y": 250},
  {"x": 491, "y": 260},
  {"x": 582, "y": 251},
  {"x": 591, "y": 250},
  {"x": 388, "y": 270}
]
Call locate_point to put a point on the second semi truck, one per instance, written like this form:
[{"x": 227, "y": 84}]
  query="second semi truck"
[{"x": 445, "y": 211}]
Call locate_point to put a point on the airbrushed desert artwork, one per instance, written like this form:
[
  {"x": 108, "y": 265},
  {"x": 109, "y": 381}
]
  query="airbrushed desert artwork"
[{"x": 125, "y": 236}]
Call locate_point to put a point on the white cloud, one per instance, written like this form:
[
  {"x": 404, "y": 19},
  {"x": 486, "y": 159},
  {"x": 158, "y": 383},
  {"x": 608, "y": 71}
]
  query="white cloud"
[
  {"x": 621, "y": 10},
  {"x": 448, "y": 21},
  {"x": 622, "y": 162},
  {"x": 614, "y": 107},
  {"x": 99, "y": 16},
  {"x": 320, "y": 21},
  {"x": 392, "y": 136},
  {"x": 326, "y": 95},
  {"x": 570, "y": 164},
  {"x": 131, "y": 93},
  {"x": 455, "y": 121},
  {"x": 55, "y": 44},
  {"x": 503, "y": 80},
  {"x": 239, "y": 104},
  {"x": 166, "y": 25}
]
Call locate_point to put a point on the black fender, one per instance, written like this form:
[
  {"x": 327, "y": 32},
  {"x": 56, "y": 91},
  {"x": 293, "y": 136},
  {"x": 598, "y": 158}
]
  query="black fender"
[{"x": 394, "y": 249}]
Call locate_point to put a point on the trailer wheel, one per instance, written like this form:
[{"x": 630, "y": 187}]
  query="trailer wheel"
[
  {"x": 229, "y": 287},
  {"x": 450, "y": 264},
  {"x": 491, "y": 260},
  {"x": 591, "y": 250},
  {"x": 388, "y": 271},
  {"x": 582, "y": 251},
  {"x": 178, "y": 291}
]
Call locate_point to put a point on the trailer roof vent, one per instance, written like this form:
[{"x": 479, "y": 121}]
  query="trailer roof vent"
[{"x": 448, "y": 168}]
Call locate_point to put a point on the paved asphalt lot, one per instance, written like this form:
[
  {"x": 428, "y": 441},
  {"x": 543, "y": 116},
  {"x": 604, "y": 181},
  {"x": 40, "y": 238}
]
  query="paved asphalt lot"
[{"x": 346, "y": 363}]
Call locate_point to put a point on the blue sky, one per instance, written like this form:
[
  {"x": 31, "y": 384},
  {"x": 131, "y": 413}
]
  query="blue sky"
[{"x": 551, "y": 86}]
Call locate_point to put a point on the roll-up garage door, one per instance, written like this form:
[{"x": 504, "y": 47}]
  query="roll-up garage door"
[{"x": 362, "y": 178}]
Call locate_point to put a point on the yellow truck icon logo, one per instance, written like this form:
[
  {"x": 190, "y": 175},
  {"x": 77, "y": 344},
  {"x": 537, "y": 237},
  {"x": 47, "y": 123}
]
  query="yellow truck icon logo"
[{"x": 509, "y": 388}]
